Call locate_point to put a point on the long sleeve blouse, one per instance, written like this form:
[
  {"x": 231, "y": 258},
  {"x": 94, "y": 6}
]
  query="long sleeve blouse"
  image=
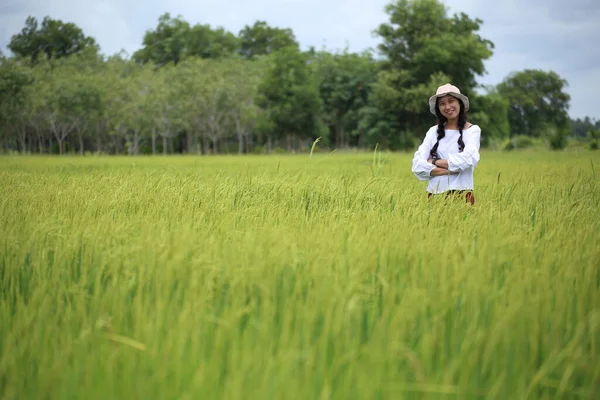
[{"x": 462, "y": 162}]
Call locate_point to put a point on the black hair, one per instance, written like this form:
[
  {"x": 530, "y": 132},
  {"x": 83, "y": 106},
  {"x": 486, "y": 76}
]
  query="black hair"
[{"x": 462, "y": 120}]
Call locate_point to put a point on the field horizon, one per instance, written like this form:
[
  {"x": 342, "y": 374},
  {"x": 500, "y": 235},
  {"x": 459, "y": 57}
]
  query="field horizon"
[{"x": 298, "y": 277}]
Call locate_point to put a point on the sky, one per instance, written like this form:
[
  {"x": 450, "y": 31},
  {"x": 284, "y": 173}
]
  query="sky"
[{"x": 539, "y": 34}]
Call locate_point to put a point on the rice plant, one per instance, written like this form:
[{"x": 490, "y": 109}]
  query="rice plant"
[{"x": 321, "y": 276}]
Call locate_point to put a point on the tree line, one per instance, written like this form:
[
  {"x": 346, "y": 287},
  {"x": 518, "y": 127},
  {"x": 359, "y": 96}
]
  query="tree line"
[{"x": 204, "y": 90}]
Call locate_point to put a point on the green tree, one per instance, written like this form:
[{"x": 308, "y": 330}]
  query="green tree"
[
  {"x": 424, "y": 48},
  {"x": 395, "y": 118},
  {"x": 174, "y": 39},
  {"x": 537, "y": 103},
  {"x": 262, "y": 39},
  {"x": 53, "y": 39},
  {"x": 14, "y": 97},
  {"x": 111, "y": 80},
  {"x": 165, "y": 44},
  {"x": 423, "y": 40},
  {"x": 490, "y": 110},
  {"x": 290, "y": 98},
  {"x": 207, "y": 42},
  {"x": 345, "y": 84},
  {"x": 594, "y": 137},
  {"x": 581, "y": 127}
]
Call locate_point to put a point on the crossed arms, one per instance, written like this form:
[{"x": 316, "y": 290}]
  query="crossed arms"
[
  {"x": 441, "y": 168},
  {"x": 424, "y": 169}
]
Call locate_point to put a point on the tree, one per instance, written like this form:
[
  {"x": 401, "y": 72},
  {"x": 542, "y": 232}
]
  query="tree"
[
  {"x": 422, "y": 40},
  {"x": 206, "y": 42},
  {"x": 581, "y": 127},
  {"x": 290, "y": 98},
  {"x": 54, "y": 39},
  {"x": 14, "y": 95},
  {"x": 165, "y": 44},
  {"x": 423, "y": 49},
  {"x": 261, "y": 39},
  {"x": 345, "y": 84},
  {"x": 594, "y": 136},
  {"x": 490, "y": 110},
  {"x": 174, "y": 39},
  {"x": 537, "y": 102}
]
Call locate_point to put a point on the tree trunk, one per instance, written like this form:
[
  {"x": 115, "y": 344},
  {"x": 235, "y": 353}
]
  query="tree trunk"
[
  {"x": 164, "y": 145},
  {"x": 136, "y": 142},
  {"x": 22, "y": 140},
  {"x": 188, "y": 142},
  {"x": 80, "y": 144},
  {"x": 98, "y": 143},
  {"x": 60, "y": 146},
  {"x": 240, "y": 143},
  {"x": 153, "y": 142},
  {"x": 249, "y": 149}
]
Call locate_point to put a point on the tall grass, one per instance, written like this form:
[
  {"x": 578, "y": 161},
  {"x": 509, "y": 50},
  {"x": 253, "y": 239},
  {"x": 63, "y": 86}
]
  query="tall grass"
[{"x": 298, "y": 277}]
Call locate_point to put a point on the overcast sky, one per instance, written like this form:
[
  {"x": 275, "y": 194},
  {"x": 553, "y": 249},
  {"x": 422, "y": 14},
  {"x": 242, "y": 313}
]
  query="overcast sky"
[{"x": 563, "y": 36}]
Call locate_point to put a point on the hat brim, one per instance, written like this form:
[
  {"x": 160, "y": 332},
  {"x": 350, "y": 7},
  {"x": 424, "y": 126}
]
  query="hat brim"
[{"x": 433, "y": 99}]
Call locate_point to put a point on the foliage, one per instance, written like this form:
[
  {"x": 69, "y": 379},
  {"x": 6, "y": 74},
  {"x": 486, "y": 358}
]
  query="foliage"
[
  {"x": 290, "y": 277},
  {"x": 581, "y": 127},
  {"x": 537, "y": 102},
  {"x": 261, "y": 39},
  {"x": 490, "y": 111},
  {"x": 53, "y": 39},
  {"x": 425, "y": 48},
  {"x": 345, "y": 82},
  {"x": 518, "y": 142},
  {"x": 201, "y": 89},
  {"x": 290, "y": 98},
  {"x": 174, "y": 39},
  {"x": 556, "y": 138},
  {"x": 14, "y": 80}
]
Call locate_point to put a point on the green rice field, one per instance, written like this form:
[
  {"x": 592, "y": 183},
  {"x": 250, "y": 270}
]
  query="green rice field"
[{"x": 298, "y": 277}]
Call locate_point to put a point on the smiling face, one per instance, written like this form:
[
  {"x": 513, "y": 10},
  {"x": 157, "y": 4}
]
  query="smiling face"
[{"x": 449, "y": 106}]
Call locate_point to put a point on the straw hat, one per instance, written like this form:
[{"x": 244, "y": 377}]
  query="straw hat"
[{"x": 444, "y": 90}]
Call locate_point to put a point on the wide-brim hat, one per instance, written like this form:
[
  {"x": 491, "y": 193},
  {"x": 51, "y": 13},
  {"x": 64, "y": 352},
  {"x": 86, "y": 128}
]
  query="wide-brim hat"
[{"x": 443, "y": 91}]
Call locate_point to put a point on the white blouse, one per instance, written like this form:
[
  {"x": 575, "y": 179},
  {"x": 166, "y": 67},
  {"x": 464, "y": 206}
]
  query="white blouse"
[{"x": 464, "y": 162}]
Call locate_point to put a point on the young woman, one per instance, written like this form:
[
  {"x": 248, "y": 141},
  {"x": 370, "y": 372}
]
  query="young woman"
[{"x": 450, "y": 150}]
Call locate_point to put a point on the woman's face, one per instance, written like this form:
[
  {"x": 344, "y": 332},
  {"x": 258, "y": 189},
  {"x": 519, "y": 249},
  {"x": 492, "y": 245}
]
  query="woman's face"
[{"x": 449, "y": 106}]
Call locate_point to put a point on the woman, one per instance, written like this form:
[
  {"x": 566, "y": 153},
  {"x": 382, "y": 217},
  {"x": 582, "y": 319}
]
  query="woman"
[{"x": 450, "y": 150}]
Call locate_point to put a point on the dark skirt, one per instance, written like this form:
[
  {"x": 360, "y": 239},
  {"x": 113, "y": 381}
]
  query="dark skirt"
[{"x": 468, "y": 194}]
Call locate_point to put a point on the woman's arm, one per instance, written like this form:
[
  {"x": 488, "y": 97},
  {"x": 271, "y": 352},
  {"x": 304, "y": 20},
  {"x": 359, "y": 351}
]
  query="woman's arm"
[
  {"x": 442, "y": 171},
  {"x": 441, "y": 168},
  {"x": 420, "y": 166},
  {"x": 442, "y": 164},
  {"x": 469, "y": 157}
]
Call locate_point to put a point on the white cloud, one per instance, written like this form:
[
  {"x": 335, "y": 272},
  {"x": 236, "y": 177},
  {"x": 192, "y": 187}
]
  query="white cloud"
[{"x": 544, "y": 34}]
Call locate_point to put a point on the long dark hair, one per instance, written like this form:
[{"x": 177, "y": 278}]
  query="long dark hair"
[{"x": 462, "y": 120}]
